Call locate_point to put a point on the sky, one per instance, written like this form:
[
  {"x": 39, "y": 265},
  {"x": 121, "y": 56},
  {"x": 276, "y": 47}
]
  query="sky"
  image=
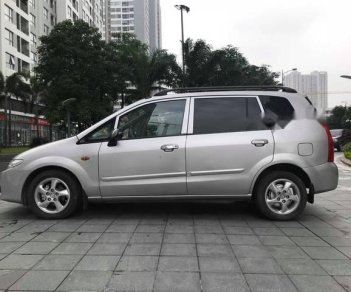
[{"x": 305, "y": 34}]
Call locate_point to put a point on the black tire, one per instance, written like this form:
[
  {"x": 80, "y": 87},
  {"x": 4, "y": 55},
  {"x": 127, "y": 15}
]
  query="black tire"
[
  {"x": 261, "y": 192},
  {"x": 72, "y": 185}
]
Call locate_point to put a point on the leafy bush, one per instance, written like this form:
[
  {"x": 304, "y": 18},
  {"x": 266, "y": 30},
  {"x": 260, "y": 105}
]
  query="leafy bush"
[
  {"x": 37, "y": 141},
  {"x": 347, "y": 151}
]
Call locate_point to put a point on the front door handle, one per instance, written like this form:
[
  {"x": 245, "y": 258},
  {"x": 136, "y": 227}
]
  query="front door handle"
[
  {"x": 169, "y": 147},
  {"x": 259, "y": 142}
]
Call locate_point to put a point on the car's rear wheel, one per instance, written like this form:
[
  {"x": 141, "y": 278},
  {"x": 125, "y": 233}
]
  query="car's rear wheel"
[
  {"x": 54, "y": 194},
  {"x": 281, "y": 195}
]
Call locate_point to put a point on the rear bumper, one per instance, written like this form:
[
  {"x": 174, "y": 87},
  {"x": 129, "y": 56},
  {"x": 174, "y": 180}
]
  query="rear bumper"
[{"x": 323, "y": 177}]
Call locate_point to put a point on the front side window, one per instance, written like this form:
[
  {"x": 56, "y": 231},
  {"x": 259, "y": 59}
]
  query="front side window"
[
  {"x": 227, "y": 114},
  {"x": 159, "y": 119},
  {"x": 101, "y": 134}
]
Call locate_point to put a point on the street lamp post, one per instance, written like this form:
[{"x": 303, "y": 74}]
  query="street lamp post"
[
  {"x": 187, "y": 9},
  {"x": 346, "y": 76},
  {"x": 283, "y": 74},
  {"x": 64, "y": 104}
]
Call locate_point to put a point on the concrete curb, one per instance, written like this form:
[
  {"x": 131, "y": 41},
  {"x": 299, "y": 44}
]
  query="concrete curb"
[{"x": 345, "y": 161}]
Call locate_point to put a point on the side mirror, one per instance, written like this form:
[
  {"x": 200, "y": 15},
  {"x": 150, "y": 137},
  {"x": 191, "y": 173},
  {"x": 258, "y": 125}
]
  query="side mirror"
[
  {"x": 115, "y": 136},
  {"x": 269, "y": 120}
]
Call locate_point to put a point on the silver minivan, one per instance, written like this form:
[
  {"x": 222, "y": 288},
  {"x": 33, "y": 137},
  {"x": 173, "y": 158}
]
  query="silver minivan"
[{"x": 258, "y": 143}]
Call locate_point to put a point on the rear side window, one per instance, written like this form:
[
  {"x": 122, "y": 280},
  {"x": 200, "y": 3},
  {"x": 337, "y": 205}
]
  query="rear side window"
[
  {"x": 280, "y": 107},
  {"x": 228, "y": 114}
]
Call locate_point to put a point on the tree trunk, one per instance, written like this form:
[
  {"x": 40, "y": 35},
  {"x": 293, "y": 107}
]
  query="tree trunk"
[
  {"x": 50, "y": 132},
  {"x": 9, "y": 123}
]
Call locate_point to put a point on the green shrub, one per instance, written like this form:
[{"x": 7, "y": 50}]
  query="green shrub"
[
  {"x": 37, "y": 141},
  {"x": 347, "y": 151}
]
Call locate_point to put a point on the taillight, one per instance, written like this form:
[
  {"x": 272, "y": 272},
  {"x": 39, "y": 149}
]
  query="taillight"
[{"x": 330, "y": 143}]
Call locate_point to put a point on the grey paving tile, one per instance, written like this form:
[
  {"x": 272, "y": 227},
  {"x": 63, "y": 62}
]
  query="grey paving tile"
[
  {"x": 276, "y": 240},
  {"x": 95, "y": 228},
  {"x": 137, "y": 264},
  {"x": 323, "y": 253},
  {"x": 238, "y": 230},
  {"x": 143, "y": 249},
  {"x": 85, "y": 281},
  {"x": 233, "y": 222},
  {"x": 179, "y": 238},
  {"x": 121, "y": 228},
  {"x": 336, "y": 267},
  {"x": 267, "y": 283},
  {"x": 179, "y": 229},
  {"x": 18, "y": 236},
  {"x": 346, "y": 250},
  {"x": 36, "y": 248},
  {"x": 147, "y": 238},
  {"x": 8, "y": 247},
  {"x": 52, "y": 236},
  {"x": 64, "y": 227},
  {"x": 9, "y": 277},
  {"x": 100, "y": 221},
  {"x": 259, "y": 265},
  {"x": 338, "y": 241},
  {"x": 211, "y": 238},
  {"x": 177, "y": 282},
  {"x": 344, "y": 281},
  {"x": 107, "y": 249},
  {"x": 209, "y": 229},
  {"x": 214, "y": 250},
  {"x": 260, "y": 223},
  {"x": 72, "y": 248},
  {"x": 297, "y": 232},
  {"x": 97, "y": 263},
  {"x": 35, "y": 227},
  {"x": 308, "y": 241},
  {"x": 244, "y": 239},
  {"x": 132, "y": 281},
  {"x": 83, "y": 237},
  {"x": 178, "y": 264},
  {"x": 19, "y": 262},
  {"x": 40, "y": 280},
  {"x": 251, "y": 251},
  {"x": 117, "y": 237},
  {"x": 223, "y": 282},
  {"x": 150, "y": 228},
  {"x": 58, "y": 262},
  {"x": 300, "y": 267},
  {"x": 316, "y": 283},
  {"x": 181, "y": 249},
  {"x": 328, "y": 231},
  {"x": 268, "y": 231},
  {"x": 219, "y": 264},
  {"x": 288, "y": 252}
]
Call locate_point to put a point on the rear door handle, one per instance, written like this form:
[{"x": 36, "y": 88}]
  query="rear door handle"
[
  {"x": 259, "y": 142},
  {"x": 169, "y": 147}
]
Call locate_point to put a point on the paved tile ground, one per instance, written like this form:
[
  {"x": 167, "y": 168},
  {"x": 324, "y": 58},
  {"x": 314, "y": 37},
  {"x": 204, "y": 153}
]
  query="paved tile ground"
[{"x": 192, "y": 246}]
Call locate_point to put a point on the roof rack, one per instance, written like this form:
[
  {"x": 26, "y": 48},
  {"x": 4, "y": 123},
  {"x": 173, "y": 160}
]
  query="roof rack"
[{"x": 227, "y": 88}]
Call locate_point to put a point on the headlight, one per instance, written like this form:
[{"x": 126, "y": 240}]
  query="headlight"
[{"x": 14, "y": 163}]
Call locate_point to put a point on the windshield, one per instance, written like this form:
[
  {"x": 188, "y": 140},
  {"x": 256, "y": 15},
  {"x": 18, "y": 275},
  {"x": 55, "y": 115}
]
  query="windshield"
[{"x": 336, "y": 133}]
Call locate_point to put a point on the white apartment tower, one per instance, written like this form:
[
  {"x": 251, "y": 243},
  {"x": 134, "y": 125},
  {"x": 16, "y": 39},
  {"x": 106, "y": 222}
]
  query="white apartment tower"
[
  {"x": 315, "y": 85},
  {"x": 22, "y": 22},
  {"x": 139, "y": 17}
]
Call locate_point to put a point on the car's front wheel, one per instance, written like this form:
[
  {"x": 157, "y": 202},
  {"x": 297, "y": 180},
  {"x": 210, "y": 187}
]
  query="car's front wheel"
[
  {"x": 281, "y": 195},
  {"x": 53, "y": 194}
]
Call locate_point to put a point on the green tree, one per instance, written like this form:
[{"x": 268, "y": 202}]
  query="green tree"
[
  {"x": 340, "y": 118},
  {"x": 72, "y": 65},
  {"x": 223, "y": 67}
]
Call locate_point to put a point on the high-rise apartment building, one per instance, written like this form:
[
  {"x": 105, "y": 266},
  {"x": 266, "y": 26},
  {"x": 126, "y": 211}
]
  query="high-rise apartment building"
[
  {"x": 139, "y": 17},
  {"x": 22, "y": 22},
  {"x": 315, "y": 85}
]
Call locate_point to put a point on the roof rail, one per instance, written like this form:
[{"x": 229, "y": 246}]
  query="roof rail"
[{"x": 227, "y": 88}]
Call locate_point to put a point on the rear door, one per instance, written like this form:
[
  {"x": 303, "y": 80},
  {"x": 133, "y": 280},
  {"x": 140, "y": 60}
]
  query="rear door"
[{"x": 227, "y": 145}]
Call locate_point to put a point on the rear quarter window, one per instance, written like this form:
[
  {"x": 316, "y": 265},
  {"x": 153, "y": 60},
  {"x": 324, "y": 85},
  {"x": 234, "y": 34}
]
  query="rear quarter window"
[{"x": 280, "y": 107}]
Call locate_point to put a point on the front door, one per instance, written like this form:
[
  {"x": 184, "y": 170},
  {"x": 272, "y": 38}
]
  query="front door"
[
  {"x": 149, "y": 158},
  {"x": 227, "y": 145}
]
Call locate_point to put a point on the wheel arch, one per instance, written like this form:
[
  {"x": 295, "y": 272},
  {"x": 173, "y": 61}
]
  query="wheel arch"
[
  {"x": 24, "y": 194},
  {"x": 289, "y": 168}
]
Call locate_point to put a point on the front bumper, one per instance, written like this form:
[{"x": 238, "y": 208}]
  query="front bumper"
[
  {"x": 12, "y": 181},
  {"x": 323, "y": 177}
]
